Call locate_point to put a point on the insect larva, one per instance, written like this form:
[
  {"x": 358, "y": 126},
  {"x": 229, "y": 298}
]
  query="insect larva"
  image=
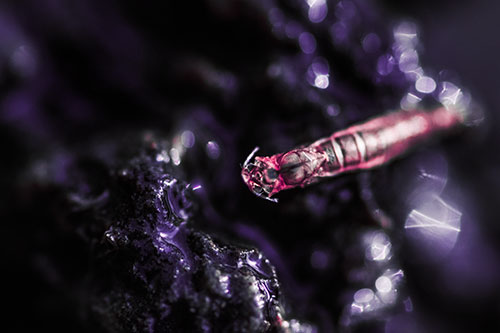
[{"x": 364, "y": 146}]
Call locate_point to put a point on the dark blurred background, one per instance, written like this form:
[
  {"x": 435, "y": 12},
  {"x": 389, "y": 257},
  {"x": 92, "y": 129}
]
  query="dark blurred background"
[{"x": 73, "y": 74}]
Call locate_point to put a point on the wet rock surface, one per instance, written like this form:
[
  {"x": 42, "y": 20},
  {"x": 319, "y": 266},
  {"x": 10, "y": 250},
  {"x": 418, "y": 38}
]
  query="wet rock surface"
[{"x": 137, "y": 260}]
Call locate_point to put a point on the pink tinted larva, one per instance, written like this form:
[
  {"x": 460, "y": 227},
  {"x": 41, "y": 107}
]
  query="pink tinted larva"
[{"x": 359, "y": 147}]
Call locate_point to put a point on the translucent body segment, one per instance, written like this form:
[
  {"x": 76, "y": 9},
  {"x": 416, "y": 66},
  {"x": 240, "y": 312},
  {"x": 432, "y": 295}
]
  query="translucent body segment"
[
  {"x": 331, "y": 162},
  {"x": 374, "y": 145},
  {"x": 293, "y": 168},
  {"x": 298, "y": 165},
  {"x": 350, "y": 149}
]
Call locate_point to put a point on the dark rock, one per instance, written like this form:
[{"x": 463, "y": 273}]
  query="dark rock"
[{"x": 148, "y": 267}]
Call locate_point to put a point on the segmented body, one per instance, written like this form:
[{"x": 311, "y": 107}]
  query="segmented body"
[{"x": 359, "y": 147}]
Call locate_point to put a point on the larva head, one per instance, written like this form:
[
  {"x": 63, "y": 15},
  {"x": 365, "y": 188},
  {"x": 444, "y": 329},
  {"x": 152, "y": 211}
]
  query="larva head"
[{"x": 261, "y": 177}]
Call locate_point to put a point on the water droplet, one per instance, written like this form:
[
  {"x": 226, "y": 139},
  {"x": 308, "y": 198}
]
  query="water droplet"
[
  {"x": 187, "y": 139},
  {"x": 321, "y": 81},
  {"x": 371, "y": 43},
  {"x": 332, "y": 110},
  {"x": 379, "y": 247},
  {"x": 383, "y": 284},
  {"x": 319, "y": 259},
  {"x": 408, "y": 61},
  {"x": 451, "y": 95},
  {"x": 364, "y": 295},
  {"x": 213, "y": 150},
  {"x": 275, "y": 16},
  {"x": 174, "y": 154},
  {"x": 425, "y": 85},
  {"x": 345, "y": 10},
  {"x": 317, "y": 10},
  {"x": 433, "y": 226},
  {"x": 293, "y": 29},
  {"x": 23, "y": 61},
  {"x": 406, "y": 35},
  {"x": 385, "y": 64},
  {"x": 307, "y": 43},
  {"x": 163, "y": 157},
  {"x": 409, "y": 101},
  {"x": 339, "y": 32}
]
